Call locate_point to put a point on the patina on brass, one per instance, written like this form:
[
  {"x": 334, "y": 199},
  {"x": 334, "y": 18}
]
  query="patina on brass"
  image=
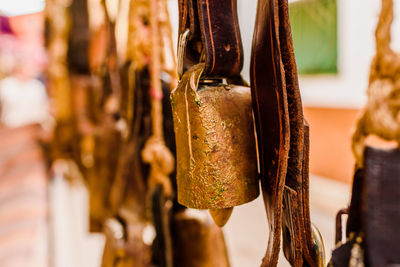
[{"x": 216, "y": 151}]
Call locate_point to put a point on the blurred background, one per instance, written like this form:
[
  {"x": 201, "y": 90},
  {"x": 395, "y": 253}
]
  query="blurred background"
[{"x": 44, "y": 222}]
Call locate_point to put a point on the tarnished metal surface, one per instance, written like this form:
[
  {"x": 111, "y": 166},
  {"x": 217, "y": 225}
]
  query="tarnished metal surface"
[{"x": 216, "y": 155}]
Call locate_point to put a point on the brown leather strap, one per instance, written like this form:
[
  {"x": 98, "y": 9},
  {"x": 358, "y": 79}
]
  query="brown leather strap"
[
  {"x": 297, "y": 177},
  {"x": 282, "y": 136},
  {"x": 381, "y": 208},
  {"x": 271, "y": 118},
  {"x": 189, "y": 19},
  {"x": 354, "y": 221},
  {"x": 298, "y": 243},
  {"x": 214, "y": 36},
  {"x": 78, "y": 39}
]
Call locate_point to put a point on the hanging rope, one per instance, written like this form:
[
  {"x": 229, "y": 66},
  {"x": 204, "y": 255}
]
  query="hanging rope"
[
  {"x": 59, "y": 83},
  {"x": 155, "y": 152},
  {"x": 381, "y": 116}
]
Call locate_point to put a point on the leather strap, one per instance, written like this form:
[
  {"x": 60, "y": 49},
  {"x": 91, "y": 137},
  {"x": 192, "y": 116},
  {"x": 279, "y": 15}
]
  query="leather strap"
[
  {"x": 78, "y": 39},
  {"x": 381, "y": 207},
  {"x": 297, "y": 177},
  {"x": 298, "y": 243},
  {"x": 282, "y": 136},
  {"x": 354, "y": 221},
  {"x": 214, "y": 36},
  {"x": 271, "y": 119},
  {"x": 374, "y": 212}
]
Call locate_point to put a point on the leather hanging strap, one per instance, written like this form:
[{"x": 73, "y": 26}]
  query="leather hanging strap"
[
  {"x": 297, "y": 177},
  {"x": 282, "y": 136},
  {"x": 271, "y": 118},
  {"x": 214, "y": 36}
]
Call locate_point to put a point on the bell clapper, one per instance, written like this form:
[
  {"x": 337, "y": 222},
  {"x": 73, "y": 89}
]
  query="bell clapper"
[{"x": 221, "y": 216}]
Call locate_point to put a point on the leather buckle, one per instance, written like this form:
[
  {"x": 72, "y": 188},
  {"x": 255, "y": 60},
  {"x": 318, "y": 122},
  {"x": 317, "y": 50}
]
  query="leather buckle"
[{"x": 339, "y": 225}]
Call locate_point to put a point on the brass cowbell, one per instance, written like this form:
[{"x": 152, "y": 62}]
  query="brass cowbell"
[{"x": 215, "y": 141}]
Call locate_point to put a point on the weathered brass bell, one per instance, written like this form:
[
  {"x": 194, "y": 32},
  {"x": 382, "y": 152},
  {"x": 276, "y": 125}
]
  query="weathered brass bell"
[
  {"x": 216, "y": 151},
  {"x": 207, "y": 245}
]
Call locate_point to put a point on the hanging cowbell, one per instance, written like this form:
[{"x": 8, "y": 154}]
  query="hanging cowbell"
[
  {"x": 216, "y": 156},
  {"x": 213, "y": 121}
]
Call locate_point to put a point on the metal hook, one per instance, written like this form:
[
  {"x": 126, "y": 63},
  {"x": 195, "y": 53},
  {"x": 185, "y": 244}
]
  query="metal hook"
[
  {"x": 339, "y": 226},
  {"x": 183, "y": 39}
]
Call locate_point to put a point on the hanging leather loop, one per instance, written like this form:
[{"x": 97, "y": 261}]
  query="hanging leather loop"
[
  {"x": 283, "y": 139},
  {"x": 214, "y": 36}
]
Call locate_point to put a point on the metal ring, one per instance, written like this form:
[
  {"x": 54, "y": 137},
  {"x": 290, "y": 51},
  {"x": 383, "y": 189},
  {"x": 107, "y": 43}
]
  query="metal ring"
[{"x": 319, "y": 246}]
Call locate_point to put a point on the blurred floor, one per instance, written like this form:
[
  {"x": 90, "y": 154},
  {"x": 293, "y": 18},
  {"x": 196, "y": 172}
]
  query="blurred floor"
[{"x": 246, "y": 232}]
